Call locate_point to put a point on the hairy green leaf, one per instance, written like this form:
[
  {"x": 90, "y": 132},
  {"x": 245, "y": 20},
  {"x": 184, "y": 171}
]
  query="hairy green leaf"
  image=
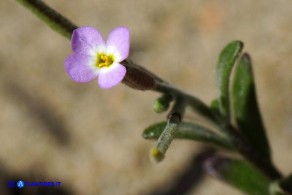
[
  {"x": 227, "y": 59},
  {"x": 239, "y": 174},
  {"x": 246, "y": 110},
  {"x": 191, "y": 131}
]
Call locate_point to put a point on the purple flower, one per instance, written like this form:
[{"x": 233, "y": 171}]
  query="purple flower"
[{"x": 93, "y": 57}]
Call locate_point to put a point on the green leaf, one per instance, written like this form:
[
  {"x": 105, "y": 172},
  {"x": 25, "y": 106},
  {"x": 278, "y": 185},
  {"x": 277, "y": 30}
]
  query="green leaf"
[
  {"x": 189, "y": 131},
  {"x": 215, "y": 108},
  {"x": 227, "y": 59},
  {"x": 246, "y": 110},
  {"x": 239, "y": 174}
]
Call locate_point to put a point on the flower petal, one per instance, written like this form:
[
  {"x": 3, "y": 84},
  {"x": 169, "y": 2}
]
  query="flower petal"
[
  {"x": 78, "y": 68},
  {"x": 111, "y": 76},
  {"x": 118, "y": 43},
  {"x": 85, "y": 39}
]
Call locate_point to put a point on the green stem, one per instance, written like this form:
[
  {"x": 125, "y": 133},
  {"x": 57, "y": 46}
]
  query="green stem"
[
  {"x": 53, "y": 19},
  {"x": 244, "y": 148},
  {"x": 195, "y": 103}
]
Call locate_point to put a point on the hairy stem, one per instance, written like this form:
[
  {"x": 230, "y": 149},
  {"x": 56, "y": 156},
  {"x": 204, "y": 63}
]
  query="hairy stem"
[
  {"x": 48, "y": 15},
  {"x": 244, "y": 148},
  {"x": 195, "y": 103}
]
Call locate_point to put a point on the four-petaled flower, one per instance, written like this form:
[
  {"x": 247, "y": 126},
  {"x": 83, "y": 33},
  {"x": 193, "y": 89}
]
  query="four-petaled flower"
[{"x": 93, "y": 57}]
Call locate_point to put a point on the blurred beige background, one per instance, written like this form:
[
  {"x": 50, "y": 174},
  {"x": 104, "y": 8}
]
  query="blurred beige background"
[{"x": 90, "y": 139}]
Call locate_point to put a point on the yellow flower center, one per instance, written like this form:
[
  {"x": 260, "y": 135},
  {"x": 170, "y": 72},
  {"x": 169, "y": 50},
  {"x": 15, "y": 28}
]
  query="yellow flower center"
[{"x": 104, "y": 60}]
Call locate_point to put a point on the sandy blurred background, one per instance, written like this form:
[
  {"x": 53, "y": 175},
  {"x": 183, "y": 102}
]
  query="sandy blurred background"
[{"x": 52, "y": 129}]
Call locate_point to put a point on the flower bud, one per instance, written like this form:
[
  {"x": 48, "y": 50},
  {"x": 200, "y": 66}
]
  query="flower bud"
[
  {"x": 137, "y": 78},
  {"x": 162, "y": 103}
]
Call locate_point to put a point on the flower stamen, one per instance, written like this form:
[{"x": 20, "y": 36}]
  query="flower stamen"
[{"x": 104, "y": 60}]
